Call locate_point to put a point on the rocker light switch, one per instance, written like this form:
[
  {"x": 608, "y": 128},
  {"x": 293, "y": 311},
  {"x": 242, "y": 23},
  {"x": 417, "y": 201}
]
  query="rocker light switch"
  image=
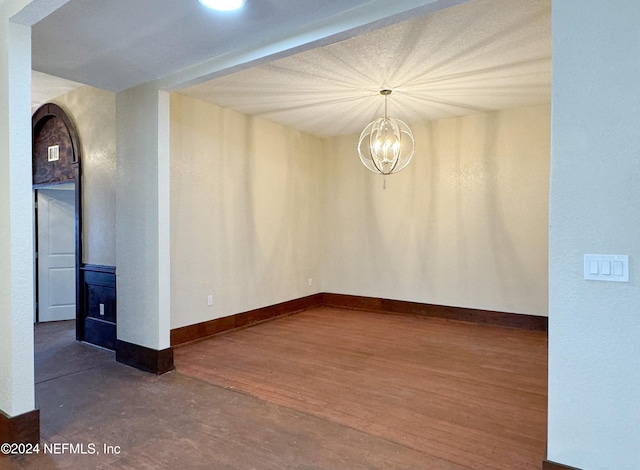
[
  {"x": 102, "y": 310},
  {"x": 618, "y": 268},
  {"x": 606, "y": 268}
]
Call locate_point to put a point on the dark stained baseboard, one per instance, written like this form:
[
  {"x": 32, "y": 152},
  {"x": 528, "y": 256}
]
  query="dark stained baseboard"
[
  {"x": 548, "y": 465},
  {"x": 489, "y": 317},
  {"x": 23, "y": 429},
  {"x": 199, "y": 331},
  {"x": 143, "y": 358},
  {"x": 187, "y": 334}
]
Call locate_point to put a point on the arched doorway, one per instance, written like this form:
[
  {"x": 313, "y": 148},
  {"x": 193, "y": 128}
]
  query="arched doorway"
[{"x": 57, "y": 184}]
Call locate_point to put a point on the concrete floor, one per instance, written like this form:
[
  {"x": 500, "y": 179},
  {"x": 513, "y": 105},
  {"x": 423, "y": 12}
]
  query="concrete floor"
[
  {"x": 173, "y": 421},
  {"x": 266, "y": 398}
]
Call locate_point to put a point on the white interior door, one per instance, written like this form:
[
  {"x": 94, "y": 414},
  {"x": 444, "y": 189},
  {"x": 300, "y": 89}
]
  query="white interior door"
[{"x": 56, "y": 254}]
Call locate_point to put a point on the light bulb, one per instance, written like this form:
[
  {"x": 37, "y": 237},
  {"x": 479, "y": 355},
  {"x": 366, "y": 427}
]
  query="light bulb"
[
  {"x": 390, "y": 144},
  {"x": 222, "y": 5}
]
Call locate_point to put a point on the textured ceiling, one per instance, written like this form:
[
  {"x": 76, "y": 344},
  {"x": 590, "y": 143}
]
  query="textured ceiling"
[
  {"x": 480, "y": 56},
  {"x": 117, "y": 44},
  {"x": 474, "y": 56}
]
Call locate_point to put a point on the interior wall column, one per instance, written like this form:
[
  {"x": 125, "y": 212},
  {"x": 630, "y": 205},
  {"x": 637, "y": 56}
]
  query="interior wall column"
[
  {"x": 594, "y": 326},
  {"x": 142, "y": 228},
  {"x": 19, "y": 421}
]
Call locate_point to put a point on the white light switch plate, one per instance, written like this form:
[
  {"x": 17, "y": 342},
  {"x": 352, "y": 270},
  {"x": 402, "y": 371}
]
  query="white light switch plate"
[{"x": 613, "y": 268}]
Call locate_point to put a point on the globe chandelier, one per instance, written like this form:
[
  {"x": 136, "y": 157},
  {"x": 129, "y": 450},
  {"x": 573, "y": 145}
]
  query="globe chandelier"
[{"x": 386, "y": 145}]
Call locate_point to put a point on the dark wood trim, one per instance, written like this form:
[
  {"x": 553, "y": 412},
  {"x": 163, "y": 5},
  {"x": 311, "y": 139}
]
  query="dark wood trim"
[
  {"x": 99, "y": 268},
  {"x": 98, "y": 285},
  {"x": 209, "y": 328},
  {"x": 39, "y": 119},
  {"x": 51, "y": 185},
  {"x": 548, "y": 465},
  {"x": 49, "y": 110},
  {"x": 23, "y": 429},
  {"x": 199, "y": 331},
  {"x": 514, "y": 320},
  {"x": 143, "y": 358},
  {"x": 79, "y": 247}
]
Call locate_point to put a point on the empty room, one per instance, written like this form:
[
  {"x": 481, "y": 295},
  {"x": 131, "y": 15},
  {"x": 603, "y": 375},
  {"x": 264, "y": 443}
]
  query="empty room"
[{"x": 344, "y": 234}]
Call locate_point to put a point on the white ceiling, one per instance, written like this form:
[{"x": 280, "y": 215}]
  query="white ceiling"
[
  {"x": 478, "y": 56},
  {"x": 117, "y": 44},
  {"x": 46, "y": 87}
]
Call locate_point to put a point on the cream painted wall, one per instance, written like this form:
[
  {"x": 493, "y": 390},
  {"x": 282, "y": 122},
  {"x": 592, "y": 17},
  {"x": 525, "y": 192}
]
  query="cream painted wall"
[
  {"x": 464, "y": 225},
  {"x": 258, "y": 208},
  {"x": 94, "y": 113},
  {"x": 143, "y": 254},
  {"x": 17, "y": 394},
  {"x": 245, "y": 212},
  {"x": 594, "y": 327}
]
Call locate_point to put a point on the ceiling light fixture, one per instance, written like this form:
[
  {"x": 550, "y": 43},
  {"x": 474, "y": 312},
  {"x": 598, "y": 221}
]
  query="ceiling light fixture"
[
  {"x": 223, "y": 5},
  {"x": 386, "y": 145}
]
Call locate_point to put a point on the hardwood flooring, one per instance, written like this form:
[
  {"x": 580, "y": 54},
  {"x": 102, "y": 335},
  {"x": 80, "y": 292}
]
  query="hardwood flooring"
[
  {"x": 461, "y": 395},
  {"x": 318, "y": 390}
]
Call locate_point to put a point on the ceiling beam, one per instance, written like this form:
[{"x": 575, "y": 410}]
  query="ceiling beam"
[
  {"x": 36, "y": 10},
  {"x": 373, "y": 15}
]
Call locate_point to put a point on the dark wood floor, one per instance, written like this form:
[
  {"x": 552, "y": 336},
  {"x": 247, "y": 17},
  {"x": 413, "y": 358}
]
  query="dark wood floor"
[
  {"x": 323, "y": 389},
  {"x": 462, "y": 395}
]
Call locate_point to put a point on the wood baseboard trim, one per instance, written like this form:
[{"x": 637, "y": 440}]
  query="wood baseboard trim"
[
  {"x": 199, "y": 331},
  {"x": 22, "y": 429},
  {"x": 548, "y": 465},
  {"x": 146, "y": 359},
  {"x": 488, "y": 317}
]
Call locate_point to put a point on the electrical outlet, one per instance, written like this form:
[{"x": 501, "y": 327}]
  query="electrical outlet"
[{"x": 210, "y": 300}]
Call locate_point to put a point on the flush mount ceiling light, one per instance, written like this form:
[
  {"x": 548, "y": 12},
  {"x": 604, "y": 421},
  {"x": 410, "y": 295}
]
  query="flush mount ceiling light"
[
  {"x": 222, "y": 5},
  {"x": 386, "y": 145}
]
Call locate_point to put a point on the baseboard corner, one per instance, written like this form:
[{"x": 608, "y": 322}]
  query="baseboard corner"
[
  {"x": 549, "y": 465},
  {"x": 22, "y": 429},
  {"x": 143, "y": 358}
]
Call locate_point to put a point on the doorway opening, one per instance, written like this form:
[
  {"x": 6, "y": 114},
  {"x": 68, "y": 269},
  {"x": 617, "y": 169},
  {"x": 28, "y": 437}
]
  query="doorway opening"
[
  {"x": 61, "y": 275},
  {"x": 57, "y": 184},
  {"x": 55, "y": 258}
]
